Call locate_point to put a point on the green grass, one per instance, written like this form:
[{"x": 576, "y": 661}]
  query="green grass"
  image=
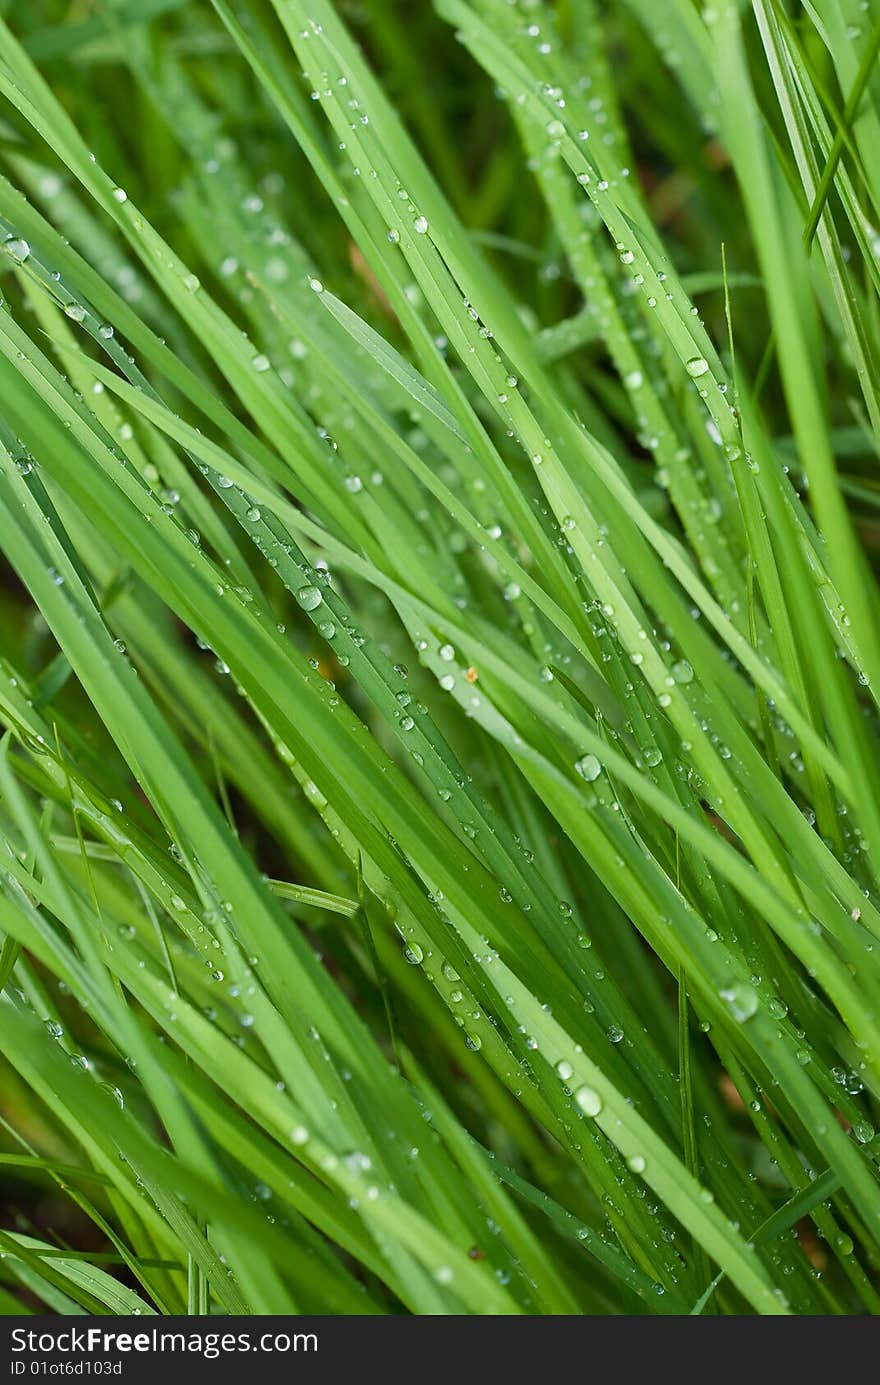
[{"x": 439, "y": 654}]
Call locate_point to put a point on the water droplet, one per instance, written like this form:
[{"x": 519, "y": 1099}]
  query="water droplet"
[
  {"x": 588, "y": 1100},
  {"x": 697, "y": 366},
  {"x": 309, "y": 598},
  {"x": 17, "y": 249},
  {"x": 682, "y": 672},
  {"x": 420, "y": 225},
  {"x": 588, "y": 767},
  {"x": 741, "y": 1000}
]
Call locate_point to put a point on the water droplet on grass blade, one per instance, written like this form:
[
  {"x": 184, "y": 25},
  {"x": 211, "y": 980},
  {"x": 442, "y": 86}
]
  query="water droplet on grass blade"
[
  {"x": 17, "y": 249},
  {"x": 741, "y": 1000},
  {"x": 682, "y": 672},
  {"x": 309, "y": 598},
  {"x": 588, "y": 767},
  {"x": 588, "y": 1100}
]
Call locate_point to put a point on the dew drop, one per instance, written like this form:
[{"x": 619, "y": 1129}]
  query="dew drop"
[
  {"x": 682, "y": 672},
  {"x": 741, "y": 1000},
  {"x": 17, "y": 249},
  {"x": 309, "y": 598},
  {"x": 588, "y": 767},
  {"x": 588, "y": 1100}
]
